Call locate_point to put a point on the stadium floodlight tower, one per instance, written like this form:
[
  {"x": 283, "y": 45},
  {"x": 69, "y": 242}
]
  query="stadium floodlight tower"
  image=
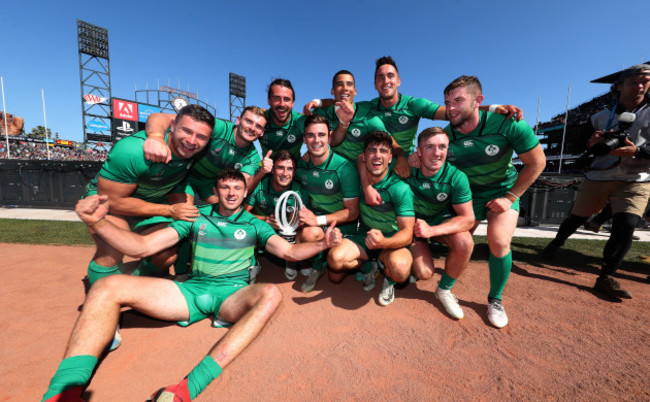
[
  {"x": 95, "y": 77},
  {"x": 237, "y": 95}
]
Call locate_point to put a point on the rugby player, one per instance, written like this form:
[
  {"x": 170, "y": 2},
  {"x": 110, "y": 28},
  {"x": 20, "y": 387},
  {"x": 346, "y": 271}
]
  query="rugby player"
[
  {"x": 443, "y": 210},
  {"x": 387, "y": 229},
  {"x": 481, "y": 145},
  {"x": 224, "y": 237}
]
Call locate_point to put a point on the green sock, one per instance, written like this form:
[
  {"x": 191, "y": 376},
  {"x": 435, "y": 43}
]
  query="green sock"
[
  {"x": 97, "y": 272},
  {"x": 146, "y": 268},
  {"x": 72, "y": 372},
  {"x": 317, "y": 263},
  {"x": 446, "y": 282},
  {"x": 184, "y": 251},
  {"x": 366, "y": 267},
  {"x": 499, "y": 272},
  {"x": 202, "y": 375}
]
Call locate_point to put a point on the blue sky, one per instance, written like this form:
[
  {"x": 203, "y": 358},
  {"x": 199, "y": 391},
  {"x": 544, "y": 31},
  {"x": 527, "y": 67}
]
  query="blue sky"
[{"x": 519, "y": 50}]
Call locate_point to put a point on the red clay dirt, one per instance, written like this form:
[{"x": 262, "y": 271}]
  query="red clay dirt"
[{"x": 337, "y": 343}]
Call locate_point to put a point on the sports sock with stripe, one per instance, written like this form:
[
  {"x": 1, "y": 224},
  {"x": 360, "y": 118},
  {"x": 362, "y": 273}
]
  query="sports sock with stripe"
[{"x": 72, "y": 372}]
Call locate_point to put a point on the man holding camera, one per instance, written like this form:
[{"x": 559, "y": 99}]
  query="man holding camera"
[{"x": 621, "y": 175}]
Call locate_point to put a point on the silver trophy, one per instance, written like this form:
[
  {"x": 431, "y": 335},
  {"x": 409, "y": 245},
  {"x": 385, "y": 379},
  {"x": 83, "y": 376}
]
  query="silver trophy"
[
  {"x": 287, "y": 216},
  {"x": 287, "y": 219}
]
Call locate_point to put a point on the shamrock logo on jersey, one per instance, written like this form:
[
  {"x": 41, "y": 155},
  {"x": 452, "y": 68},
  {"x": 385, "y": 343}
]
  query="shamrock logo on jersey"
[
  {"x": 356, "y": 132},
  {"x": 291, "y": 138},
  {"x": 492, "y": 149},
  {"x": 240, "y": 234},
  {"x": 441, "y": 197},
  {"x": 329, "y": 184},
  {"x": 403, "y": 119},
  {"x": 238, "y": 166}
]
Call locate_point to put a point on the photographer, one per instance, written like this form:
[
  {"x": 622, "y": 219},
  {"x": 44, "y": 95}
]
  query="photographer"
[{"x": 621, "y": 175}]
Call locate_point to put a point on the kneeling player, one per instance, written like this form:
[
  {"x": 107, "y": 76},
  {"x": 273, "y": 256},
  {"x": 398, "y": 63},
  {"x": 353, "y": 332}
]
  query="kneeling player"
[
  {"x": 263, "y": 201},
  {"x": 443, "y": 208},
  {"x": 390, "y": 224},
  {"x": 224, "y": 240}
]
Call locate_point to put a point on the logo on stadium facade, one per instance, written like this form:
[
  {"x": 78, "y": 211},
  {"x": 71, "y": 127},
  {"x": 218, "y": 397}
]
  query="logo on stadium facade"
[
  {"x": 240, "y": 234},
  {"x": 125, "y": 110},
  {"x": 441, "y": 196},
  {"x": 291, "y": 138},
  {"x": 329, "y": 184},
  {"x": 492, "y": 149},
  {"x": 238, "y": 166},
  {"x": 403, "y": 119},
  {"x": 356, "y": 132}
]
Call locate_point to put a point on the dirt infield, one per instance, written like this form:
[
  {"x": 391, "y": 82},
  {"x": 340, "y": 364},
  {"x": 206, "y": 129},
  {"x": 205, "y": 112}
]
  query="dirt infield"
[{"x": 337, "y": 343}]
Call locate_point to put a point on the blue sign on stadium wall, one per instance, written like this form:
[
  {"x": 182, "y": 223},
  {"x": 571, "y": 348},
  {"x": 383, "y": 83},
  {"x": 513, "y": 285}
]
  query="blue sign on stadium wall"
[
  {"x": 97, "y": 125},
  {"x": 145, "y": 110}
]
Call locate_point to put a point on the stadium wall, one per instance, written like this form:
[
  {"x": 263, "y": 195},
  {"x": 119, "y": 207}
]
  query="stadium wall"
[
  {"x": 44, "y": 184},
  {"x": 59, "y": 184}
]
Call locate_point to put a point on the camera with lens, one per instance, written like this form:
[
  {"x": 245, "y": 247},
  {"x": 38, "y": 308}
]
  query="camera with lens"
[{"x": 615, "y": 139}]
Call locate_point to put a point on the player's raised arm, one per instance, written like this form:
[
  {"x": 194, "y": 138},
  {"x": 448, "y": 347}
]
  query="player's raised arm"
[
  {"x": 155, "y": 148},
  {"x": 92, "y": 211}
]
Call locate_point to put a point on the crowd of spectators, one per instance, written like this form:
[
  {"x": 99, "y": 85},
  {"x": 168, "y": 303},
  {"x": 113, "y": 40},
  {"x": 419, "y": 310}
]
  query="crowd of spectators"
[{"x": 38, "y": 151}]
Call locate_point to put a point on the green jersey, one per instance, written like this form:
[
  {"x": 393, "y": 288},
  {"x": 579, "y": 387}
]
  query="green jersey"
[
  {"x": 126, "y": 164},
  {"x": 222, "y": 153},
  {"x": 396, "y": 200},
  {"x": 402, "y": 118},
  {"x": 485, "y": 154},
  {"x": 328, "y": 184},
  {"x": 288, "y": 136},
  {"x": 362, "y": 123},
  {"x": 434, "y": 196},
  {"x": 223, "y": 245},
  {"x": 264, "y": 198}
]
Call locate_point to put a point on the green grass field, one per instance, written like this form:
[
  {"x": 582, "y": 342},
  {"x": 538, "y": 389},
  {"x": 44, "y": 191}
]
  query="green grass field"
[
  {"x": 44, "y": 232},
  {"x": 75, "y": 233}
]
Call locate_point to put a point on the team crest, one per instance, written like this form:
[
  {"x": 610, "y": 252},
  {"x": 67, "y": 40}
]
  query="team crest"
[
  {"x": 329, "y": 184},
  {"x": 356, "y": 132},
  {"x": 403, "y": 119},
  {"x": 291, "y": 138},
  {"x": 492, "y": 150},
  {"x": 238, "y": 166},
  {"x": 441, "y": 197},
  {"x": 240, "y": 234}
]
